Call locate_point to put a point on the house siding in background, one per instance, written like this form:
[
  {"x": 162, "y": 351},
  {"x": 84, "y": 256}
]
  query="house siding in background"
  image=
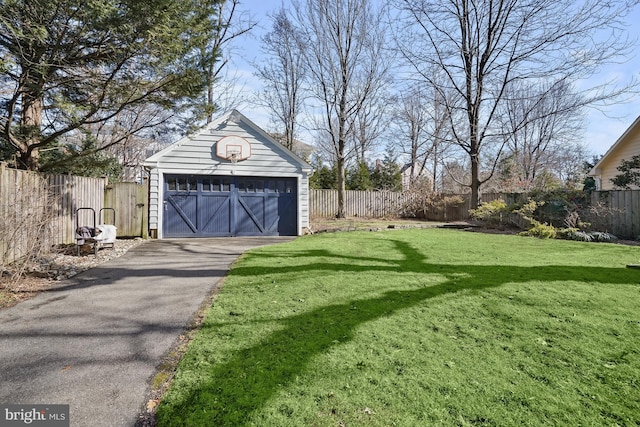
[{"x": 627, "y": 146}]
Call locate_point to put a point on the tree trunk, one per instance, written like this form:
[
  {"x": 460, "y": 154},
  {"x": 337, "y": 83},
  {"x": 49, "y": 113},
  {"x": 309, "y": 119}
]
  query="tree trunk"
[
  {"x": 341, "y": 183},
  {"x": 290, "y": 131},
  {"x": 475, "y": 181},
  {"x": 435, "y": 168},
  {"x": 210, "y": 100},
  {"x": 32, "y": 125}
]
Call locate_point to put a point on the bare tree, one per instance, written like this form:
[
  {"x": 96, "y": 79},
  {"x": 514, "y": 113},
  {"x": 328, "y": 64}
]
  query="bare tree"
[
  {"x": 422, "y": 123},
  {"x": 229, "y": 91},
  {"x": 539, "y": 122},
  {"x": 411, "y": 119},
  {"x": 370, "y": 124},
  {"x": 225, "y": 23},
  {"x": 283, "y": 74},
  {"x": 454, "y": 175},
  {"x": 125, "y": 139},
  {"x": 569, "y": 165},
  {"x": 345, "y": 58},
  {"x": 129, "y": 139},
  {"x": 483, "y": 46}
]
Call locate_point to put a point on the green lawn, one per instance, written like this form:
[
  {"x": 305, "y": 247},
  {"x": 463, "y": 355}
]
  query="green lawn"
[{"x": 418, "y": 328}]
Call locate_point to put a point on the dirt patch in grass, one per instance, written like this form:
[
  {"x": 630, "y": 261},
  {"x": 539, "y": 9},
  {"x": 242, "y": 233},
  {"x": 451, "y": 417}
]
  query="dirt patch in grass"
[
  {"x": 329, "y": 225},
  {"x": 333, "y": 225}
]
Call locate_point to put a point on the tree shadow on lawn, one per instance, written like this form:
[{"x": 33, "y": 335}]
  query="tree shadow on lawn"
[{"x": 231, "y": 391}]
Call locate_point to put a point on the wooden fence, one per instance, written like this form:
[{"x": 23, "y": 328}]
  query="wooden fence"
[
  {"x": 67, "y": 194},
  {"x": 617, "y": 212},
  {"x": 380, "y": 204},
  {"x": 371, "y": 204},
  {"x": 129, "y": 203},
  {"x": 40, "y": 211},
  {"x": 23, "y": 200}
]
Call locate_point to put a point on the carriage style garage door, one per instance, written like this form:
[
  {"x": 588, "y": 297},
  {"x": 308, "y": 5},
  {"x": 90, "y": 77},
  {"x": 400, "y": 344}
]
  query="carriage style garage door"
[{"x": 210, "y": 206}]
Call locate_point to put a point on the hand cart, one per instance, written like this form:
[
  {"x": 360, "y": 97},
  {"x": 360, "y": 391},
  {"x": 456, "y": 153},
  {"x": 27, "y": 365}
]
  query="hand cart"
[{"x": 102, "y": 235}]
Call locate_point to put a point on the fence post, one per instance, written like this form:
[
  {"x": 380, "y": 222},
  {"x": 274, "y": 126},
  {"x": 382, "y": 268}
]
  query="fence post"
[{"x": 32, "y": 202}]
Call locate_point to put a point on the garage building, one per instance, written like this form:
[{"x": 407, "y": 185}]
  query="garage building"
[{"x": 228, "y": 179}]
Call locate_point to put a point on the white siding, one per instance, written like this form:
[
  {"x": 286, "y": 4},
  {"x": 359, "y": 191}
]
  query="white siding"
[
  {"x": 196, "y": 155},
  {"x": 154, "y": 199},
  {"x": 303, "y": 201}
]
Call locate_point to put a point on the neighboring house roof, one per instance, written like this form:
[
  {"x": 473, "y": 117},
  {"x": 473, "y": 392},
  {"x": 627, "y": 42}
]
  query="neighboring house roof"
[
  {"x": 302, "y": 149},
  {"x": 422, "y": 174},
  {"x": 627, "y": 146}
]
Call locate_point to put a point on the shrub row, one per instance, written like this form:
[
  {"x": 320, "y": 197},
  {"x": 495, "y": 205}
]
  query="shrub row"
[{"x": 549, "y": 215}]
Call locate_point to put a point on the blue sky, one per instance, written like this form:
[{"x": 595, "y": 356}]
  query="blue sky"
[{"x": 602, "y": 129}]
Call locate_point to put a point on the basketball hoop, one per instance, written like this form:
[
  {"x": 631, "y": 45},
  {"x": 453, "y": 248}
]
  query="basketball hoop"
[
  {"x": 233, "y": 153},
  {"x": 231, "y": 146},
  {"x": 233, "y": 158},
  {"x": 233, "y": 149}
]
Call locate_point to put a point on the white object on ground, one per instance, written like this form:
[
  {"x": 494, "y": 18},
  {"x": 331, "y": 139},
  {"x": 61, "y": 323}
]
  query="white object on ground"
[{"x": 106, "y": 233}]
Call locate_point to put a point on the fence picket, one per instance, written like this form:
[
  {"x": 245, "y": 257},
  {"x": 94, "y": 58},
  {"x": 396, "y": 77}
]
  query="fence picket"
[
  {"x": 635, "y": 214},
  {"x": 622, "y": 217},
  {"x": 38, "y": 209},
  {"x": 25, "y": 197},
  {"x": 129, "y": 200}
]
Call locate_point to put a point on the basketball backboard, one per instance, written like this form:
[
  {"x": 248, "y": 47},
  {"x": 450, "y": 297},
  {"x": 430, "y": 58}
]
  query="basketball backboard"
[{"x": 233, "y": 148}]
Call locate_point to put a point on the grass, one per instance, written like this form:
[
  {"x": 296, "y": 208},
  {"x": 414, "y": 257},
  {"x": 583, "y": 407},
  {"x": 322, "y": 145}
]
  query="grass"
[
  {"x": 368, "y": 224},
  {"x": 417, "y": 328}
]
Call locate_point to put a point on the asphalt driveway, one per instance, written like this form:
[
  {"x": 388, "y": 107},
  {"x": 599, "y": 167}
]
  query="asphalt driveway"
[{"x": 95, "y": 341}]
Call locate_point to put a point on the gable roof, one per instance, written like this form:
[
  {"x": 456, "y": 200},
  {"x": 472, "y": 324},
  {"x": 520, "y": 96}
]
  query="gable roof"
[
  {"x": 215, "y": 127},
  {"x": 302, "y": 149},
  {"x": 596, "y": 169}
]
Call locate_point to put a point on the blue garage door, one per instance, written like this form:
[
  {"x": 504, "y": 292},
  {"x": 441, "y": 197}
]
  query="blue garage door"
[{"x": 211, "y": 206}]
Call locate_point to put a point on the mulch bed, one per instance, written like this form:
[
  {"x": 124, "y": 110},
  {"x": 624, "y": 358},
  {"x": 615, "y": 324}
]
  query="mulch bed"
[{"x": 21, "y": 281}]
